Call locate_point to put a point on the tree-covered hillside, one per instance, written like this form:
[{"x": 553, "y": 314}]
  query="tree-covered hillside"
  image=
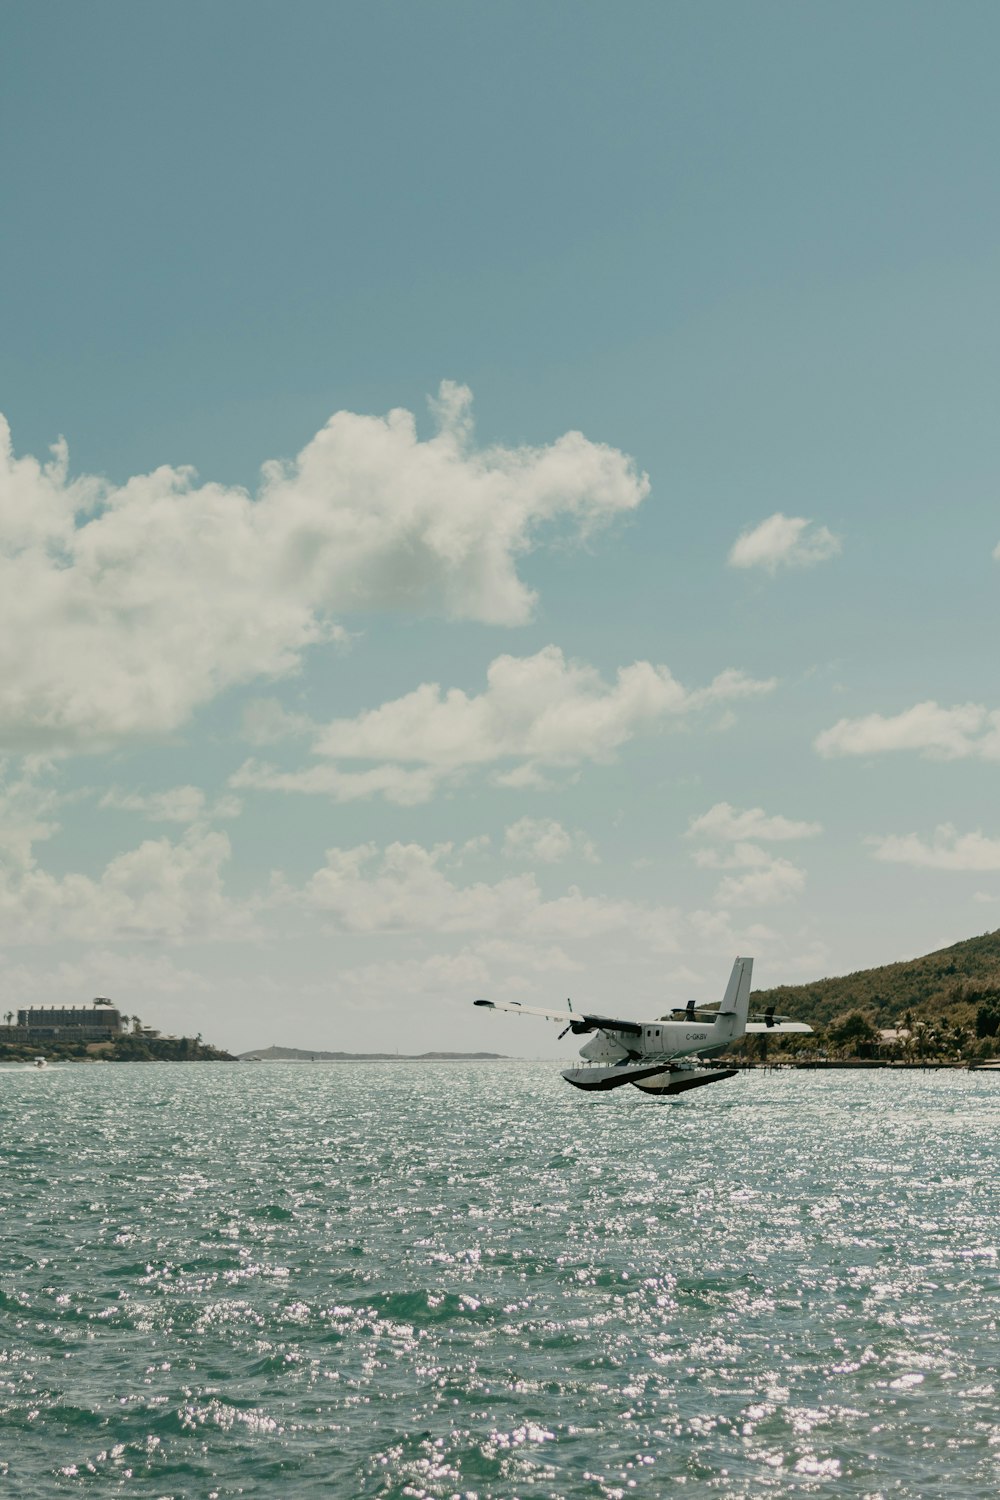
[{"x": 956, "y": 985}]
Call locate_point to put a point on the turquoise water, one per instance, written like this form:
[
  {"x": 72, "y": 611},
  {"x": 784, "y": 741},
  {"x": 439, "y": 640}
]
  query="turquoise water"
[{"x": 469, "y": 1280}]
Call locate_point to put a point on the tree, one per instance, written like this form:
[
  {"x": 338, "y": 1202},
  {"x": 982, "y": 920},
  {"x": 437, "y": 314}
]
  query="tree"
[
  {"x": 855, "y": 1034},
  {"x": 987, "y": 1020}
]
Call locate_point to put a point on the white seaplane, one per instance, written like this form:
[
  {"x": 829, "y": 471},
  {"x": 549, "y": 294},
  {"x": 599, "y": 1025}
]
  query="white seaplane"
[{"x": 662, "y": 1057}]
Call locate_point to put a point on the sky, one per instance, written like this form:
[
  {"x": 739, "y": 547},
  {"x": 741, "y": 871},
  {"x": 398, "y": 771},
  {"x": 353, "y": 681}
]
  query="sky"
[{"x": 500, "y": 500}]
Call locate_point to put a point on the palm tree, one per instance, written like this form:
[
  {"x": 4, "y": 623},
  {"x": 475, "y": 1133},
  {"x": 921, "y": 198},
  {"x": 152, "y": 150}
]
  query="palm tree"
[{"x": 9, "y": 1016}]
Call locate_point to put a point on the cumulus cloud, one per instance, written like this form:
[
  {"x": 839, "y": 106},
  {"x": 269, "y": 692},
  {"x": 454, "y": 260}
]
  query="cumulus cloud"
[
  {"x": 965, "y": 731},
  {"x": 783, "y": 542},
  {"x": 27, "y": 816},
  {"x": 723, "y": 821},
  {"x": 125, "y": 607},
  {"x": 766, "y": 878},
  {"x": 540, "y": 711},
  {"x": 947, "y": 850},
  {"x": 407, "y": 888},
  {"x": 768, "y": 881},
  {"x": 546, "y": 841},
  {"x": 161, "y": 890},
  {"x": 539, "y": 708},
  {"x": 738, "y": 857}
]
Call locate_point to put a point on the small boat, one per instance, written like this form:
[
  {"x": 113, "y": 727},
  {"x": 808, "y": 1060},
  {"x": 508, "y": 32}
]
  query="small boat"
[{"x": 39, "y": 1062}]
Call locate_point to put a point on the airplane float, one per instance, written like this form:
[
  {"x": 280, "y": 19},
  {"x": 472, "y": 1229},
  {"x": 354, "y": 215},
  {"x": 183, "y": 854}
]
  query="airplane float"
[{"x": 662, "y": 1057}]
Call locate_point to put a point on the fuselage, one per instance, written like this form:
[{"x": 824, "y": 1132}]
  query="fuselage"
[{"x": 662, "y": 1039}]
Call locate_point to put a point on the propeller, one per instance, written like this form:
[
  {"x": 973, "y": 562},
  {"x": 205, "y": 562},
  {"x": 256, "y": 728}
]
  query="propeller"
[
  {"x": 686, "y": 1012},
  {"x": 769, "y": 1018}
]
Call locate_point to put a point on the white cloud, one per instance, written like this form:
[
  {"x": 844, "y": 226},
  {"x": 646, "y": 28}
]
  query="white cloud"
[
  {"x": 783, "y": 541},
  {"x": 526, "y": 777},
  {"x": 723, "y": 821},
  {"x": 767, "y": 878},
  {"x": 768, "y": 882},
  {"x": 124, "y": 607},
  {"x": 266, "y": 721},
  {"x": 967, "y": 730},
  {"x": 948, "y": 850},
  {"x": 26, "y": 817},
  {"x": 438, "y": 974},
  {"x": 160, "y": 890},
  {"x": 452, "y": 978},
  {"x": 406, "y": 888},
  {"x": 540, "y": 710},
  {"x": 406, "y": 788},
  {"x": 545, "y": 840},
  {"x": 178, "y": 804},
  {"x": 122, "y": 977},
  {"x": 728, "y": 687},
  {"x": 539, "y": 958},
  {"x": 739, "y": 857}
]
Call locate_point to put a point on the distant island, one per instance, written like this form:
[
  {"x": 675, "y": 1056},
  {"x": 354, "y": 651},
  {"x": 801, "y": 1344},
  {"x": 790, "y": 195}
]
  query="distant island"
[
  {"x": 99, "y": 1032},
  {"x": 301, "y": 1054}
]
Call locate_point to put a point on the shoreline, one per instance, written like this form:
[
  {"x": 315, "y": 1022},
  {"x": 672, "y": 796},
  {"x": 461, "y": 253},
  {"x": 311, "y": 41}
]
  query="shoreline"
[{"x": 856, "y": 1064}]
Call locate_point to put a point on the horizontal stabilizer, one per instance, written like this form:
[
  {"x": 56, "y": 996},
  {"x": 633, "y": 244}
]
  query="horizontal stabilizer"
[{"x": 776, "y": 1028}]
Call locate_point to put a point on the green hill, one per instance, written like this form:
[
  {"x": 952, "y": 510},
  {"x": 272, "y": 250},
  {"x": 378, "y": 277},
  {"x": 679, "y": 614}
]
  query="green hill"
[{"x": 952, "y": 985}]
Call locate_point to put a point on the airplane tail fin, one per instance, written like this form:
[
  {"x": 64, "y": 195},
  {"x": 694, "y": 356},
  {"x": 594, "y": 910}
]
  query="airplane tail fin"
[{"x": 737, "y": 998}]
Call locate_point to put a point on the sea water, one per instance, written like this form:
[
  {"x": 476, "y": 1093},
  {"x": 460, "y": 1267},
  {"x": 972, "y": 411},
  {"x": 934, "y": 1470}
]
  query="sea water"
[{"x": 451, "y": 1279}]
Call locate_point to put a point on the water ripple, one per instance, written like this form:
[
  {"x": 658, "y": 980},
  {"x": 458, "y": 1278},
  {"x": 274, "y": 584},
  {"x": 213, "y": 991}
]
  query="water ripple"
[{"x": 464, "y": 1281}]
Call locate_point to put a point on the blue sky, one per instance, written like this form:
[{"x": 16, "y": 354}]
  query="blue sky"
[{"x": 749, "y": 253}]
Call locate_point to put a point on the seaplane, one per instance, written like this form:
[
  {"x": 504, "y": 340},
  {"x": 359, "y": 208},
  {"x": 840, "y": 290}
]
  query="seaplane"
[{"x": 665, "y": 1056}]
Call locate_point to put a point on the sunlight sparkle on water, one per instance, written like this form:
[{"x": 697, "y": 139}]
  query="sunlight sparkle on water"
[{"x": 465, "y": 1280}]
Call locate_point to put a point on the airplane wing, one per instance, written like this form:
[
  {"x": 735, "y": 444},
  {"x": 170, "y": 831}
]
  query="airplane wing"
[
  {"x": 775, "y": 1028},
  {"x": 580, "y": 1021}
]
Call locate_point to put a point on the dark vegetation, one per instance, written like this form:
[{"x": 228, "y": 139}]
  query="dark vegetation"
[
  {"x": 125, "y": 1048},
  {"x": 946, "y": 1006}
]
